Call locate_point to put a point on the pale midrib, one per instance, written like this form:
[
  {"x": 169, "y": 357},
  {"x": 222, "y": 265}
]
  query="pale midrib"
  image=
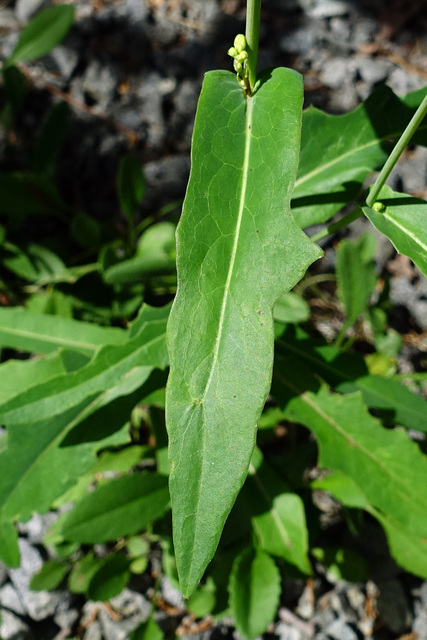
[
  {"x": 245, "y": 173},
  {"x": 50, "y": 339},
  {"x": 404, "y": 230},
  {"x": 339, "y": 159}
]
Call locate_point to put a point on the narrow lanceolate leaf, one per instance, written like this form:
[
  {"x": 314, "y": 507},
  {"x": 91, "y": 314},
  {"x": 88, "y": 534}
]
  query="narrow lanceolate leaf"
[
  {"x": 238, "y": 250},
  {"x": 43, "y": 33},
  {"x": 254, "y": 592},
  {"x": 339, "y": 152},
  {"x": 356, "y": 280},
  {"x": 119, "y": 508},
  {"x": 20, "y": 329},
  {"x": 388, "y": 466},
  {"x": 403, "y": 219}
]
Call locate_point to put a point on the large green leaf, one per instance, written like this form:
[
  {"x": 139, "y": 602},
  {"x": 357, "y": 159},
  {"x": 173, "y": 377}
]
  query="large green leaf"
[
  {"x": 238, "y": 250},
  {"x": 403, "y": 219},
  {"x": 254, "y": 592},
  {"x": 26, "y": 331},
  {"x": 339, "y": 152},
  {"x": 119, "y": 508},
  {"x": 43, "y": 33},
  {"x": 389, "y": 467},
  {"x": 56, "y": 427}
]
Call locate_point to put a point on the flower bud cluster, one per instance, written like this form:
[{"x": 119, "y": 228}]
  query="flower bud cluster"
[{"x": 240, "y": 57}]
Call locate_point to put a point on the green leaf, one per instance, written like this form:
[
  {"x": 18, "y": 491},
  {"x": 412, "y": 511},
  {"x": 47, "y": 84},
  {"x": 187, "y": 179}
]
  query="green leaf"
[
  {"x": 351, "y": 441},
  {"x": 35, "y": 263},
  {"x": 342, "y": 564},
  {"x": 291, "y": 308},
  {"x": 24, "y": 194},
  {"x": 86, "y": 231},
  {"x": 55, "y": 428},
  {"x": 17, "y": 376},
  {"x": 356, "y": 279},
  {"x": 239, "y": 249},
  {"x": 339, "y": 152},
  {"x": 50, "y": 140},
  {"x": 202, "y": 601},
  {"x": 119, "y": 508},
  {"x": 310, "y": 360},
  {"x": 42, "y": 34},
  {"x": 110, "y": 579},
  {"x": 403, "y": 220},
  {"x": 408, "y": 549},
  {"x": 130, "y": 185},
  {"x": 254, "y": 592},
  {"x": 49, "y": 577},
  {"x": 9, "y": 550},
  {"x": 83, "y": 572},
  {"x": 149, "y": 630},
  {"x": 16, "y": 87},
  {"x": 26, "y": 331},
  {"x": 155, "y": 255},
  {"x": 410, "y": 409},
  {"x": 277, "y": 515}
]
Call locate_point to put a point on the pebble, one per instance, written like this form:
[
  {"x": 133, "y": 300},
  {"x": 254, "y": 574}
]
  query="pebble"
[
  {"x": 25, "y": 9},
  {"x": 10, "y": 599},
  {"x": 37, "y": 604},
  {"x": 13, "y": 628},
  {"x": 393, "y": 606}
]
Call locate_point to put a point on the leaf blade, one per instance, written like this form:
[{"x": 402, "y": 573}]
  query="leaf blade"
[{"x": 237, "y": 253}]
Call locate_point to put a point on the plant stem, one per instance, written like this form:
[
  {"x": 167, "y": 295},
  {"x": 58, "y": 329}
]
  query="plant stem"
[
  {"x": 397, "y": 152},
  {"x": 340, "y": 224},
  {"x": 253, "y": 17}
]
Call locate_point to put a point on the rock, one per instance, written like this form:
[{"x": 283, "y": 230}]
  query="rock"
[
  {"x": 25, "y": 9},
  {"x": 339, "y": 630},
  {"x": 99, "y": 83},
  {"x": 3, "y": 573},
  {"x": 62, "y": 60},
  {"x": 36, "y": 528},
  {"x": 403, "y": 82},
  {"x": 65, "y": 615},
  {"x": 38, "y": 604},
  {"x": 372, "y": 70},
  {"x": 338, "y": 72},
  {"x": 288, "y": 632},
  {"x": 9, "y": 599},
  {"x": 302, "y": 40},
  {"x": 393, "y": 606},
  {"x": 134, "y": 609},
  {"x": 328, "y": 9},
  {"x": 13, "y": 628},
  {"x": 93, "y": 632},
  {"x": 364, "y": 31},
  {"x": 8, "y": 19},
  {"x": 171, "y": 594},
  {"x": 166, "y": 180}
]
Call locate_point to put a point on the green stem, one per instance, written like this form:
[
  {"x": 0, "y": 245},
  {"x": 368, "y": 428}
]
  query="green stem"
[
  {"x": 253, "y": 17},
  {"x": 340, "y": 224},
  {"x": 403, "y": 141}
]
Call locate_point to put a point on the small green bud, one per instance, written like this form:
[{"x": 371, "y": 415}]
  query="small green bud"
[
  {"x": 240, "y": 43},
  {"x": 232, "y": 52},
  {"x": 237, "y": 66},
  {"x": 379, "y": 207},
  {"x": 242, "y": 56},
  {"x": 241, "y": 82}
]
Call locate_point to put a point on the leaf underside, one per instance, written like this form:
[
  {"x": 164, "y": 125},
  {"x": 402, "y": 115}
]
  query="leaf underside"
[{"x": 238, "y": 250}]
